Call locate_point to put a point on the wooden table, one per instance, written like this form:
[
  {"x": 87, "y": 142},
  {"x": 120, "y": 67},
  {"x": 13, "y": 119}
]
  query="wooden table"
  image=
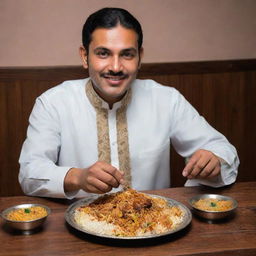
[{"x": 235, "y": 236}]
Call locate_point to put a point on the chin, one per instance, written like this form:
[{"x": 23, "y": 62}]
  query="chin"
[{"x": 115, "y": 92}]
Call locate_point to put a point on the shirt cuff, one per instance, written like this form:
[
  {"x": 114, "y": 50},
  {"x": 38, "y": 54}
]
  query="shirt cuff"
[{"x": 226, "y": 177}]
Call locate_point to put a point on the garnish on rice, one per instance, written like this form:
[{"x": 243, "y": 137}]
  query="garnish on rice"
[{"x": 128, "y": 213}]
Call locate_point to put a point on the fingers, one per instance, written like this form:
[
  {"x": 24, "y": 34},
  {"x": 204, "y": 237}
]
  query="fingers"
[
  {"x": 102, "y": 177},
  {"x": 203, "y": 164},
  {"x": 190, "y": 165},
  {"x": 215, "y": 172},
  {"x": 98, "y": 187},
  {"x": 211, "y": 169},
  {"x": 114, "y": 177}
]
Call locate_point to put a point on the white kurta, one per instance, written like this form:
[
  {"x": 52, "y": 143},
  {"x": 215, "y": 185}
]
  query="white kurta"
[{"x": 62, "y": 134}]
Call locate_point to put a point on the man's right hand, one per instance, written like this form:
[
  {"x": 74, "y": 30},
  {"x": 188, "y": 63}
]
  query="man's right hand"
[{"x": 99, "y": 178}]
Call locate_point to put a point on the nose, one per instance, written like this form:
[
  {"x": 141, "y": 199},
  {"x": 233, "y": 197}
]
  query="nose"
[{"x": 116, "y": 64}]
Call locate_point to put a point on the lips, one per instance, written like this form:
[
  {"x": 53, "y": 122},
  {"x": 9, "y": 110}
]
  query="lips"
[{"x": 114, "y": 79}]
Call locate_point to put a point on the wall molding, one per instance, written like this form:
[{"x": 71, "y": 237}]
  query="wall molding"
[{"x": 147, "y": 69}]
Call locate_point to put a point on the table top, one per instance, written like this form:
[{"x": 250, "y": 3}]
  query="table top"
[{"x": 234, "y": 236}]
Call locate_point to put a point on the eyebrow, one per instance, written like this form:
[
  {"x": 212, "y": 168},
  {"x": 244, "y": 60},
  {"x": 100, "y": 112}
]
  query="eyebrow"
[
  {"x": 101, "y": 48},
  {"x": 123, "y": 50},
  {"x": 130, "y": 49}
]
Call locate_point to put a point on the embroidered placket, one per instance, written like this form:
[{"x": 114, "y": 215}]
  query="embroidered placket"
[{"x": 104, "y": 153}]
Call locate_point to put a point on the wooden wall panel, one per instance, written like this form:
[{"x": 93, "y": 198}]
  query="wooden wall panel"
[{"x": 223, "y": 92}]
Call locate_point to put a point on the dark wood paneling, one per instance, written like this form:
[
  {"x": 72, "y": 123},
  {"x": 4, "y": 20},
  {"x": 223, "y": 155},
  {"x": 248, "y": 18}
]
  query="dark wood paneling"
[
  {"x": 150, "y": 69},
  {"x": 222, "y": 91}
]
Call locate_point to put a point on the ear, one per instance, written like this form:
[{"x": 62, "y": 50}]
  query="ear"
[
  {"x": 83, "y": 55},
  {"x": 141, "y": 54}
]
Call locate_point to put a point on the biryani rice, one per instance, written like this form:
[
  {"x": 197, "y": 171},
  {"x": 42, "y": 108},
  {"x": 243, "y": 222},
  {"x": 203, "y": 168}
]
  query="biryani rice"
[{"x": 128, "y": 213}]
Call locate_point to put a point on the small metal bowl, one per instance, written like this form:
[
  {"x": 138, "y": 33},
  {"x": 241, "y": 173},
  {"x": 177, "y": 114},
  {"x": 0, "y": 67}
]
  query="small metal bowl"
[
  {"x": 212, "y": 215},
  {"x": 24, "y": 225}
]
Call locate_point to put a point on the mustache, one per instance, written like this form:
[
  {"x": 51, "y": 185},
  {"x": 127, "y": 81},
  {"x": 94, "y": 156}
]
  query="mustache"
[{"x": 114, "y": 74}]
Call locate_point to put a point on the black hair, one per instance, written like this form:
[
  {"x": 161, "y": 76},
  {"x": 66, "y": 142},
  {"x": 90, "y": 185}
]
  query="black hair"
[{"x": 110, "y": 18}]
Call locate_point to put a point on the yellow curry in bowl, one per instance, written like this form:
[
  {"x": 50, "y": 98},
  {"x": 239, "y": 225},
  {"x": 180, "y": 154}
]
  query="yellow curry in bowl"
[{"x": 27, "y": 214}]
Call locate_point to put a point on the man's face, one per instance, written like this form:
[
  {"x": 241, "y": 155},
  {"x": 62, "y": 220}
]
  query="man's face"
[{"x": 113, "y": 61}]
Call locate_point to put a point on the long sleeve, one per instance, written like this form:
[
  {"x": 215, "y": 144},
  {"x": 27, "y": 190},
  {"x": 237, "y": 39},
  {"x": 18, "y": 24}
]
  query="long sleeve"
[
  {"x": 191, "y": 132},
  {"x": 39, "y": 172}
]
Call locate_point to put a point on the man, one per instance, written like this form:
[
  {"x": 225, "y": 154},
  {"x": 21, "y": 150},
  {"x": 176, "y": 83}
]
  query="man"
[{"x": 111, "y": 130}]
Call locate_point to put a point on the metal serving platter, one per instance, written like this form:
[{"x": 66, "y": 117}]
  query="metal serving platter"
[{"x": 69, "y": 216}]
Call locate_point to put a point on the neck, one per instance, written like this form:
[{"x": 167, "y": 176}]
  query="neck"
[{"x": 110, "y": 100}]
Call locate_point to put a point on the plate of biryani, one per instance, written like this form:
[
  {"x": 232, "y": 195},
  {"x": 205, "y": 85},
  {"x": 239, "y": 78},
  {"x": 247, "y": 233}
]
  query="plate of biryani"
[{"x": 128, "y": 214}]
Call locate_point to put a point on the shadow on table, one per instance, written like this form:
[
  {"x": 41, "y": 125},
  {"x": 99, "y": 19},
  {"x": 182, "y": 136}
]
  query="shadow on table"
[
  {"x": 216, "y": 221},
  {"x": 120, "y": 242},
  {"x": 17, "y": 232}
]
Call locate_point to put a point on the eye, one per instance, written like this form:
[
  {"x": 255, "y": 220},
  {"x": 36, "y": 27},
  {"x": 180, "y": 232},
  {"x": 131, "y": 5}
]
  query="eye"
[
  {"x": 128, "y": 55},
  {"x": 102, "y": 53}
]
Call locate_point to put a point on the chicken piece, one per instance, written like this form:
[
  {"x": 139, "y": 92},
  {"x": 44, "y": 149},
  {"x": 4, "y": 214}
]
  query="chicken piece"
[{"x": 142, "y": 203}]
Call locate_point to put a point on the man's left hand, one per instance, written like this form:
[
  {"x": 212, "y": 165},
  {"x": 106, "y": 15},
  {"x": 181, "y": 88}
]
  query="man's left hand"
[{"x": 203, "y": 165}]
